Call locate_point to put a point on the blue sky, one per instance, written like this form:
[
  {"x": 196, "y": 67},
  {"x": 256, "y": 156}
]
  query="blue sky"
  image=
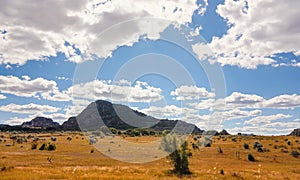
[{"x": 218, "y": 64}]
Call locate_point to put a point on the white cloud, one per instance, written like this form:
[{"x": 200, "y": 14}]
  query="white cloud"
[
  {"x": 283, "y": 101},
  {"x": 97, "y": 89},
  {"x": 28, "y": 108},
  {"x": 263, "y": 120},
  {"x": 252, "y": 101},
  {"x": 219, "y": 117},
  {"x": 191, "y": 93},
  {"x": 26, "y": 87},
  {"x": 233, "y": 101},
  {"x": 39, "y": 30},
  {"x": 168, "y": 111},
  {"x": 240, "y": 100},
  {"x": 2, "y": 96},
  {"x": 17, "y": 120},
  {"x": 258, "y": 30},
  {"x": 261, "y": 130}
]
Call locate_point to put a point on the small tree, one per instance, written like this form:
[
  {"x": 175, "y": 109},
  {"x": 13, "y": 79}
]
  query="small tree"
[{"x": 179, "y": 154}]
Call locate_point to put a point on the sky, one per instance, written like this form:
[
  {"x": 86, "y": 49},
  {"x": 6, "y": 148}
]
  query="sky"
[{"x": 220, "y": 64}]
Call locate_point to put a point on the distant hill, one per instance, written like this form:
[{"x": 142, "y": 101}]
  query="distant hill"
[
  {"x": 70, "y": 125},
  {"x": 41, "y": 123},
  {"x": 100, "y": 113},
  {"x": 103, "y": 113},
  {"x": 224, "y": 132},
  {"x": 295, "y": 132}
]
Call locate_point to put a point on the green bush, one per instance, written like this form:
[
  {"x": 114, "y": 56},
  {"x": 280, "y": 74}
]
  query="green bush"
[{"x": 179, "y": 155}]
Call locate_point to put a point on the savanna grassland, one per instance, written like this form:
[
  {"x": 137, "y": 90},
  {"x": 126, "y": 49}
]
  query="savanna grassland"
[{"x": 75, "y": 158}]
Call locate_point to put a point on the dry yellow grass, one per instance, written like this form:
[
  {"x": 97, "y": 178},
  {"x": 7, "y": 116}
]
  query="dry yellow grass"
[{"x": 74, "y": 160}]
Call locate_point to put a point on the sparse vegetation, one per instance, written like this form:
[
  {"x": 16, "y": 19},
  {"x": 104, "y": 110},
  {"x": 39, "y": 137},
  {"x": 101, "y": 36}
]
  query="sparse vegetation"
[{"x": 91, "y": 164}]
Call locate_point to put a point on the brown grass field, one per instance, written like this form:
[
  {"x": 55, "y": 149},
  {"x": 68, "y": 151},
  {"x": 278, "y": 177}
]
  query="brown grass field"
[{"x": 74, "y": 160}]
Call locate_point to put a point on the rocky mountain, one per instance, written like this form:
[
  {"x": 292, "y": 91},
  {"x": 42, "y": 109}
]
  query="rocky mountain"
[
  {"x": 295, "y": 132},
  {"x": 224, "y": 132},
  {"x": 41, "y": 123},
  {"x": 103, "y": 113},
  {"x": 70, "y": 125},
  {"x": 100, "y": 113}
]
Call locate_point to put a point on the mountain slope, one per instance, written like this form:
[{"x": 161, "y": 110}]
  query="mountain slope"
[{"x": 100, "y": 113}]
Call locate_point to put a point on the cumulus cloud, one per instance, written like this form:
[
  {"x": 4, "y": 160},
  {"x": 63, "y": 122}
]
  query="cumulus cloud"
[
  {"x": 283, "y": 101},
  {"x": 2, "y": 96},
  {"x": 216, "y": 118},
  {"x": 168, "y": 111},
  {"x": 191, "y": 93},
  {"x": 26, "y": 87},
  {"x": 240, "y": 100},
  {"x": 260, "y": 120},
  {"x": 18, "y": 120},
  {"x": 257, "y": 31},
  {"x": 28, "y": 108},
  {"x": 99, "y": 89},
  {"x": 246, "y": 101},
  {"x": 40, "y": 30},
  {"x": 262, "y": 130}
]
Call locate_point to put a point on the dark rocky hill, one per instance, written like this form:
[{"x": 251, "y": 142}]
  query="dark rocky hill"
[
  {"x": 295, "y": 132},
  {"x": 41, "y": 123},
  {"x": 122, "y": 117},
  {"x": 103, "y": 113},
  {"x": 70, "y": 125},
  {"x": 224, "y": 132}
]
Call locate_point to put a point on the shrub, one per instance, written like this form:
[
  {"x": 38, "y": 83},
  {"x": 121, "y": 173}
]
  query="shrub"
[
  {"x": 295, "y": 153},
  {"x": 220, "y": 150},
  {"x": 246, "y": 146},
  {"x": 257, "y": 145},
  {"x": 179, "y": 155},
  {"x": 51, "y": 147},
  {"x": 233, "y": 139},
  {"x": 289, "y": 143},
  {"x": 222, "y": 171},
  {"x": 92, "y": 150},
  {"x": 251, "y": 157},
  {"x": 113, "y": 130},
  {"x": 34, "y": 145},
  {"x": 105, "y": 130},
  {"x": 43, "y": 146}
]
